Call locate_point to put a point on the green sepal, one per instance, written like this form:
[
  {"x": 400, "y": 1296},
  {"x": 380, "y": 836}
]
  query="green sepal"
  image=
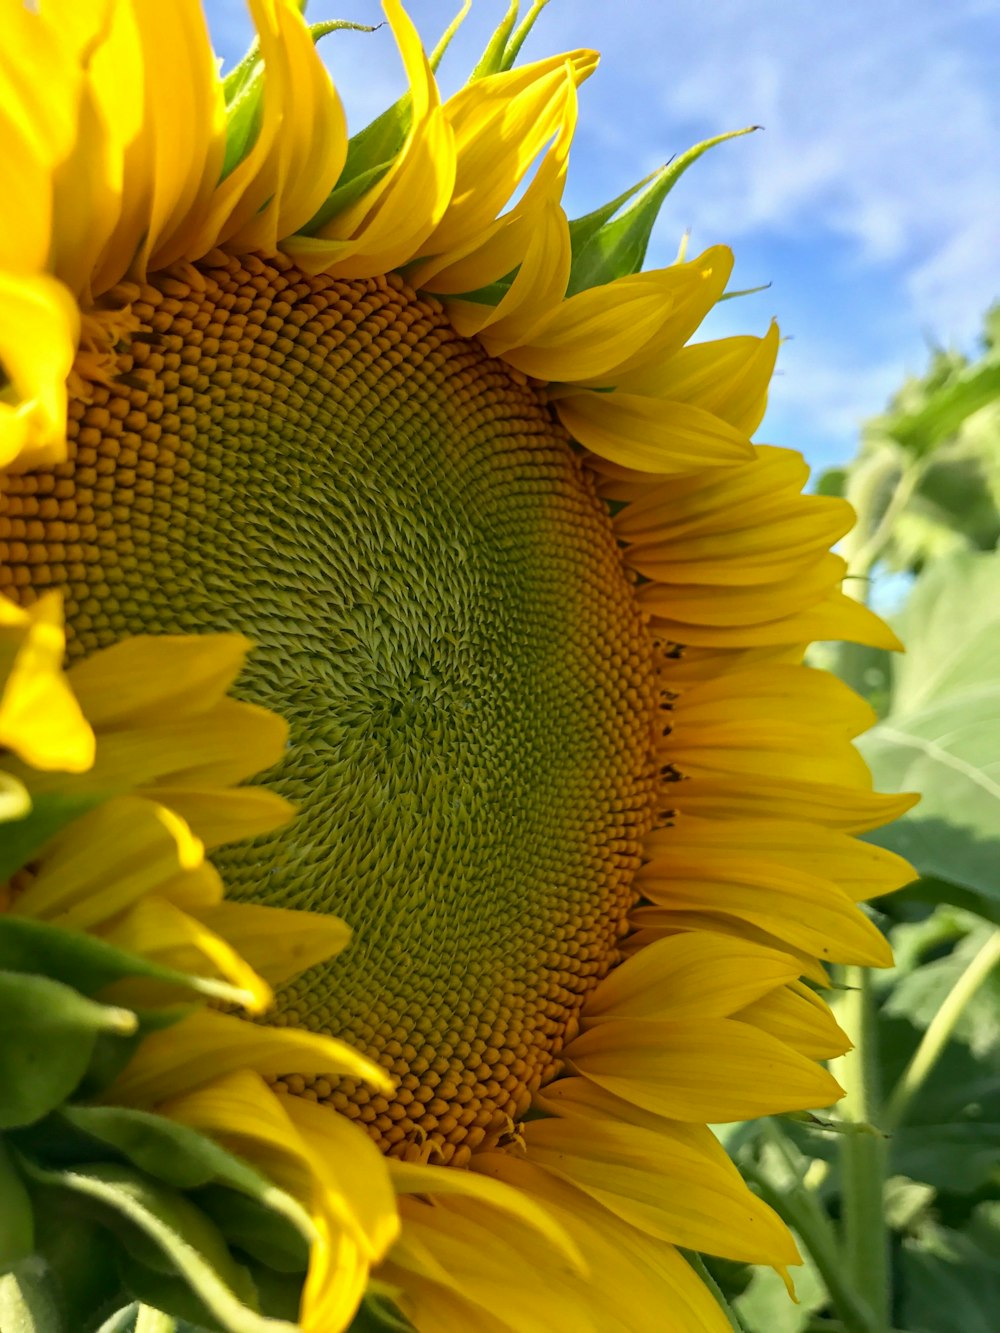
[
  {"x": 491, "y": 61},
  {"x": 379, "y": 1313},
  {"x": 173, "y": 1251},
  {"x": 22, "y": 839},
  {"x": 505, "y": 45},
  {"x": 606, "y": 247},
  {"x": 47, "y": 1037},
  {"x": 27, "y": 1300},
  {"x": 274, "y": 1238},
  {"x": 124, "y": 1320},
  {"x": 185, "y": 1159},
  {"x": 80, "y": 1261},
  {"x": 745, "y": 291},
  {"x": 88, "y": 963},
  {"x": 17, "y": 1216},
  {"x": 112, "y": 1053}
]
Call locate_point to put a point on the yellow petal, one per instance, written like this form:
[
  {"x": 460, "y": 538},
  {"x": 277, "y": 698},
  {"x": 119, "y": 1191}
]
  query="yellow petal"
[
  {"x": 218, "y": 816},
  {"x": 437, "y": 1181},
  {"x": 155, "y": 929},
  {"x": 40, "y": 719},
  {"x": 645, "y": 1286},
  {"x": 651, "y": 435},
  {"x": 811, "y": 913},
  {"x": 539, "y": 285},
  {"x": 107, "y": 860},
  {"x": 387, "y": 225},
  {"x": 710, "y": 1069},
  {"x": 661, "y": 1183},
  {"x": 39, "y": 330},
  {"x": 602, "y": 330},
  {"x": 798, "y": 1017},
  {"x": 278, "y": 942},
  {"x": 207, "y": 1045},
  {"x": 710, "y": 976},
  {"x": 145, "y": 677},
  {"x": 500, "y": 124},
  {"x": 729, "y": 377},
  {"x": 350, "y": 1166}
]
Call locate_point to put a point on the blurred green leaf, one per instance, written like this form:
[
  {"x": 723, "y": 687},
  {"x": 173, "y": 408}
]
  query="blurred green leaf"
[
  {"x": 948, "y": 1280},
  {"x": 168, "y": 1238},
  {"x": 47, "y": 1037},
  {"x": 27, "y": 1304},
  {"x": 17, "y": 1221},
  {"x": 941, "y": 734}
]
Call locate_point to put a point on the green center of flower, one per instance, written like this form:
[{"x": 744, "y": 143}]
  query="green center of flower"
[{"x": 440, "y": 613}]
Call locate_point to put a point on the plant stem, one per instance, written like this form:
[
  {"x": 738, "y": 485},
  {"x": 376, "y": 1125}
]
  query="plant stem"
[
  {"x": 940, "y": 1028},
  {"x": 802, "y": 1211},
  {"x": 863, "y": 1155}
]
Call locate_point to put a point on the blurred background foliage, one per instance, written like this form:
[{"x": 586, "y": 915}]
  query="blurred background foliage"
[{"x": 908, "y": 1170}]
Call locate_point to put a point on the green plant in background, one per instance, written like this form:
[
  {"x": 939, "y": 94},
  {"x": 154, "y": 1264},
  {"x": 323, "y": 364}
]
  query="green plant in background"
[{"x": 897, "y": 1201}]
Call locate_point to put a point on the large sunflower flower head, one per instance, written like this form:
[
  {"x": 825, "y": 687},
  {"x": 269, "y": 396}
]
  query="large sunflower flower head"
[{"x": 526, "y": 612}]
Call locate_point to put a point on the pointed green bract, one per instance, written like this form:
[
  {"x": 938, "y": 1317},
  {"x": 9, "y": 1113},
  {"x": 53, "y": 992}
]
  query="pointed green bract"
[
  {"x": 446, "y": 37},
  {"x": 606, "y": 247}
]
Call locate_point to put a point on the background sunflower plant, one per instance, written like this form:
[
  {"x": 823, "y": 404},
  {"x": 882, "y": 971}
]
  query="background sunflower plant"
[
  {"x": 353, "y": 462},
  {"x": 897, "y": 1196}
]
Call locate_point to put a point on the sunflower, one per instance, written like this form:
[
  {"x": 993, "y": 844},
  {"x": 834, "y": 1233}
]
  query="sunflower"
[{"x": 534, "y": 610}]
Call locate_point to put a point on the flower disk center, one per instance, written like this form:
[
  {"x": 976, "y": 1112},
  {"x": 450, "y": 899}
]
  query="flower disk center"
[{"x": 440, "y": 612}]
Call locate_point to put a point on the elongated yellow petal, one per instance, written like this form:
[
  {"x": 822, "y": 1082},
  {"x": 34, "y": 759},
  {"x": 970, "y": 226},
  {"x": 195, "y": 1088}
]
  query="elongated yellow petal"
[
  {"x": 309, "y": 149},
  {"x": 207, "y": 1045},
  {"x": 650, "y": 435},
  {"x": 351, "y": 1167},
  {"x": 155, "y": 929},
  {"x": 153, "y": 80},
  {"x": 539, "y": 285},
  {"x": 729, "y": 377},
  {"x": 277, "y": 942},
  {"x": 442, "y": 1181},
  {"x": 146, "y": 676},
  {"x": 386, "y": 226},
  {"x": 40, "y": 719},
  {"x": 689, "y": 975},
  {"x": 798, "y": 1017},
  {"x": 661, "y": 1183},
  {"x": 592, "y": 336},
  {"x": 645, "y": 1286},
  {"x": 218, "y": 816},
  {"x": 710, "y": 1069},
  {"x": 107, "y": 860},
  {"x": 500, "y": 124},
  {"x": 39, "y": 329},
  {"x": 810, "y": 912}
]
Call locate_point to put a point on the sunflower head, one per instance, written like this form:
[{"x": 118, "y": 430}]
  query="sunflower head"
[{"x": 527, "y": 610}]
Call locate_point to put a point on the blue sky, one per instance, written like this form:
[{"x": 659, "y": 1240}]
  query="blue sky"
[{"x": 870, "y": 202}]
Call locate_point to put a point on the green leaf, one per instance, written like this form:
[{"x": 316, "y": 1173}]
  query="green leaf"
[
  {"x": 17, "y": 1219},
  {"x": 606, "y": 247},
  {"x": 88, "y": 963},
  {"x": 941, "y": 735},
  {"x": 178, "y": 1238},
  {"x": 22, "y": 839},
  {"x": 948, "y": 1281},
  {"x": 47, "y": 1037},
  {"x": 947, "y": 407}
]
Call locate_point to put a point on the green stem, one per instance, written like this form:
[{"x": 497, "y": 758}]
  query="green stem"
[
  {"x": 863, "y": 1155},
  {"x": 941, "y": 1026},
  {"x": 698, "y": 1264},
  {"x": 800, "y": 1208}
]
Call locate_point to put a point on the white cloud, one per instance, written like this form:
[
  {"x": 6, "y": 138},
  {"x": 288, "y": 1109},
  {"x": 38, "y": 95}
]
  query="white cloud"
[{"x": 882, "y": 129}]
